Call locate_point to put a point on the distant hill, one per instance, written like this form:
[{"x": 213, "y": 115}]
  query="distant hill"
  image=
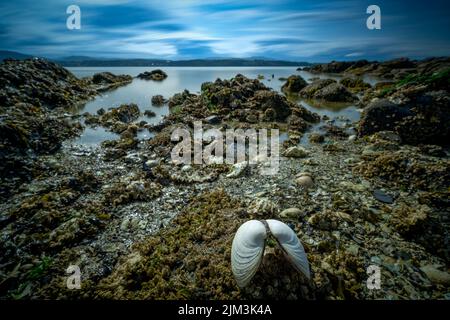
[
  {"x": 85, "y": 61},
  {"x": 4, "y": 54},
  {"x": 232, "y": 62}
]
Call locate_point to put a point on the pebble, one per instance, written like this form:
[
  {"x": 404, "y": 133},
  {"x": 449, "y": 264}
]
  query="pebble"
[
  {"x": 435, "y": 275},
  {"x": 238, "y": 169},
  {"x": 292, "y": 213},
  {"x": 295, "y": 152},
  {"x": 304, "y": 181},
  {"x": 212, "y": 119},
  {"x": 383, "y": 197}
]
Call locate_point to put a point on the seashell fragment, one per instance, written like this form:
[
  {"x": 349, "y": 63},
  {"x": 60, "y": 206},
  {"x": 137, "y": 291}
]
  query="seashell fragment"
[{"x": 249, "y": 244}]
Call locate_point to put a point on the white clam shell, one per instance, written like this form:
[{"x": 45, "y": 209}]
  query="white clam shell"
[
  {"x": 291, "y": 245},
  {"x": 247, "y": 251},
  {"x": 249, "y": 243}
]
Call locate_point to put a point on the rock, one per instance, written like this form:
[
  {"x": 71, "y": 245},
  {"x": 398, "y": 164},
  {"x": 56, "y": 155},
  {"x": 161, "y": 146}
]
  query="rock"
[
  {"x": 156, "y": 75},
  {"x": 383, "y": 197},
  {"x": 348, "y": 185},
  {"x": 436, "y": 276},
  {"x": 387, "y": 136},
  {"x": 304, "y": 180},
  {"x": 295, "y": 152},
  {"x": 419, "y": 118},
  {"x": 310, "y": 90},
  {"x": 353, "y": 249},
  {"x": 293, "y": 213},
  {"x": 316, "y": 138},
  {"x": 381, "y": 115},
  {"x": 263, "y": 207},
  {"x": 125, "y": 113},
  {"x": 354, "y": 84},
  {"x": 158, "y": 100},
  {"x": 101, "y": 111},
  {"x": 334, "y": 92},
  {"x": 432, "y": 150},
  {"x": 212, "y": 119},
  {"x": 151, "y": 164},
  {"x": 238, "y": 170},
  {"x": 294, "y": 84},
  {"x": 336, "y": 66},
  {"x": 149, "y": 113},
  {"x": 410, "y": 221},
  {"x": 107, "y": 78},
  {"x": 130, "y": 132},
  {"x": 276, "y": 102},
  {"x": 269, "y": 115}
]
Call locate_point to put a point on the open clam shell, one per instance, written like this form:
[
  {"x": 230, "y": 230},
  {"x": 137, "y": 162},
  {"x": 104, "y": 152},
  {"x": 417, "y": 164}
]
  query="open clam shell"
[{"x": 249, "y": 243}]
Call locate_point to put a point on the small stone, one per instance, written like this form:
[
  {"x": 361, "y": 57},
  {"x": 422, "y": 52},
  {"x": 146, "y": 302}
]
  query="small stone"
[
  {"x": 316, "y": 138},
  {"x": 304, "y": 179},
  {"x": 376, "y": 260},
  {"x": 158, "y": 100},
  {"x": 435, "y": 275},
  {"x": 237, "y": 170},
  {"x": 352, "y": 186},
  {"x": 344, "y": 216},
  {"x": 149, "y": 113},
  {"x": 383, "y": 197},
  {"x": 353, "y": 249},
  {"x": 151, "y": 163},
  {"x": 212, "y": 119},
  {"x": 295, "y": 152},
  {"x": 292, "y": 213},
  {"x": 263, "y": 207}
]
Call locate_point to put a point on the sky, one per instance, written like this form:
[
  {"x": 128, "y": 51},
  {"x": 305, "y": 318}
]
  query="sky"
[{"x": 295, "y": 30}]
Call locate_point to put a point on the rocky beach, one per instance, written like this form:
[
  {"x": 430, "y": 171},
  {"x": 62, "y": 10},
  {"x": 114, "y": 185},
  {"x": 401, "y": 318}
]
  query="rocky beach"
[{"x": 375, "y": 191}]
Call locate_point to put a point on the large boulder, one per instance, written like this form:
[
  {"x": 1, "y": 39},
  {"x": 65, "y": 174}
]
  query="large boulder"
[
  {"x": 156, "y": 75},
  {"x": 327, "y": 90},
  {"x": 424, "y": 119},
  {"x": 41, "y": 83},
  {"x": 381, "y": 115},
  {"x": 354, "y": 84},
  {"x": 335, "y": 92},
  {"x": 33, "y": 96},
  {"x": 294, "y": 84},
  {"x": 310, "y": 90},
  {"x": 274, "y": 101},
  {"x": 110, "y": 78}
]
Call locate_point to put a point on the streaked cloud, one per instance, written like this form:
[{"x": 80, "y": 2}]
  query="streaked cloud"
[{"x": 178, "y": 29}]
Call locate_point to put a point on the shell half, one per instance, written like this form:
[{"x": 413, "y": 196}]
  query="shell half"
[
  {"x": 291, "y": 246},
  {"x": 247, "y": 251}
]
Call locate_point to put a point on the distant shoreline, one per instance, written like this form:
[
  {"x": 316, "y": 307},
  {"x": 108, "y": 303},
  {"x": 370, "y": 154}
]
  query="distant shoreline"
[
  {"x": 181, "y": 63},
  {"x": 82, "y": 61}
]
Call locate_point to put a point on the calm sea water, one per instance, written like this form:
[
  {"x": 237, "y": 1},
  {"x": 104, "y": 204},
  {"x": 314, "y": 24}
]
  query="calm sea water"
[{"x": 190, "y": 78}]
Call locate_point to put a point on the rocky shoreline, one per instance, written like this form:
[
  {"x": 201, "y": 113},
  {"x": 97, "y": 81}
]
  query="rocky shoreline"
[{"x": 141, "y": 227}]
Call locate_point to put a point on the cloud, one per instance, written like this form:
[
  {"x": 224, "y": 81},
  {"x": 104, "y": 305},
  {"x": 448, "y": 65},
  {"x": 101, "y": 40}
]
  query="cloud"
[{"x": 285, "y": 29}]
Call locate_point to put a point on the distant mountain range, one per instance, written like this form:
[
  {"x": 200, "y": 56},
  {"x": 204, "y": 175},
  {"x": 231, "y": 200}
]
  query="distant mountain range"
[{"x": 84, "y": 61}]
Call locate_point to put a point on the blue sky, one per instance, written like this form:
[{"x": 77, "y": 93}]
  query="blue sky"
[{"x": 313, "y": 30}]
